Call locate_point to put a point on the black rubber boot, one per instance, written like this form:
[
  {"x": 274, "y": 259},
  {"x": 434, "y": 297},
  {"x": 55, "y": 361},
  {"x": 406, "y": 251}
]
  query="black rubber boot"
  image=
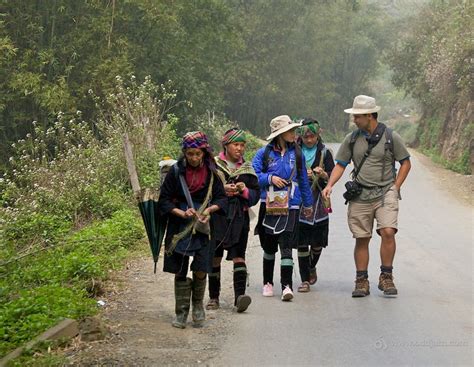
[
  {"x": 199, "y": 288},
  {"x": 182, "y": 295}
]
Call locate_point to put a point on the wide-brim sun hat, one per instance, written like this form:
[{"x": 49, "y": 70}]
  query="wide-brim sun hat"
[
  {"x": 362, "y": 105},
  {"x": 280, "y": 125}
]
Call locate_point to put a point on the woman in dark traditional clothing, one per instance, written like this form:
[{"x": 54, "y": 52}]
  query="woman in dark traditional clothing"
[
  {"x": 190, "y": 193},
  {"x": 230, "y": 232},
  {"x": 313, "y": 232}
]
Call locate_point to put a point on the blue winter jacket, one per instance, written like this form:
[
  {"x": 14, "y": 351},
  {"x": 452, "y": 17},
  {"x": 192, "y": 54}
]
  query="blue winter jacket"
[{"x": 282, "y": 167}]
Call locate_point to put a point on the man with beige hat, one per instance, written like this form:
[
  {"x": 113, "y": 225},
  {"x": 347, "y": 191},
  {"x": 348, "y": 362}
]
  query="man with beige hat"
[{"x": 374, "y": 190}]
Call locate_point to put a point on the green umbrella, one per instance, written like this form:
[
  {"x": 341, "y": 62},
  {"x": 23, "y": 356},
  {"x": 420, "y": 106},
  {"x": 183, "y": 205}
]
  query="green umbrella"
[{"x": 155, "y": 224}]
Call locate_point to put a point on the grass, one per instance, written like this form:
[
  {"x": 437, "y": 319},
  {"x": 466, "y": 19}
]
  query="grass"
[{"x": 38, "y": 291}]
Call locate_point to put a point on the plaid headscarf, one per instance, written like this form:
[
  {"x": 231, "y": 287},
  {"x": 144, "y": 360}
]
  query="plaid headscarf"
[
  {"x": 233, "y": 135},
  {"x": 195, "y": 139}
]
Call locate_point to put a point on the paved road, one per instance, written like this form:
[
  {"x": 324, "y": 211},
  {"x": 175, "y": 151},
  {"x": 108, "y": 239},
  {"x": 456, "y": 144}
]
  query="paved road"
[{"x": 430, "y": 323}]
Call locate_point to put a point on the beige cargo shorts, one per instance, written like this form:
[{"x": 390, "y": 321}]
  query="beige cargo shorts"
[{"x": 361, "y": 215}]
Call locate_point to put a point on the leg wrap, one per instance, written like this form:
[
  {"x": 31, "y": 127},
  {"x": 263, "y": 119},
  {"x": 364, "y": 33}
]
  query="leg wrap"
[
  {"x": 315, "y": 255},
  {"x": 215, "y": 283},
  {"x": 268, "y": 267},
  {"x": 286, "y": 273},
  {"x": 240, "y": 280},
  {"x": 303, "y": 262}
]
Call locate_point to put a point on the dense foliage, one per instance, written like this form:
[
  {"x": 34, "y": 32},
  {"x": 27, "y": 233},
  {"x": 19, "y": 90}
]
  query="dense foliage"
[
  {"x": 433, "y": 62},
  {"x": 252, "y": 60},
  {"x": 304, "y": 58},
  {"x": 67, "y": 215}
]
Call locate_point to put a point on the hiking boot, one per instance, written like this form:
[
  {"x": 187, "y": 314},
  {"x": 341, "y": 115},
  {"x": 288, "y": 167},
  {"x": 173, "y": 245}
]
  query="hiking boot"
[
  {"x": 386, "y": 284},
  {"x": 242, "y": 303},
  {"x": 313, "y": 276},
  {"x": 362, "y": 287},
  {"x": 287, "y": 294},
  {"x": 267, "y": 290},
  {"x": 213, "y": 304},
  {"x": 182, "y": 295}
]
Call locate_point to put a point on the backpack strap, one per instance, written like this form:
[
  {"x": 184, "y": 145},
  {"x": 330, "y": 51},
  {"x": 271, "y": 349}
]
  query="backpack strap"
[
  {"x": 187, "y": 194},
  {"x": 299, "y": 160},
  {"x": 266, "y": 157},
  {"x": 176, "y": 170},
  {"x": 389, "y": 139},
  {"x": 389, "y": 147},
  {"x": 355, "y": 134}
]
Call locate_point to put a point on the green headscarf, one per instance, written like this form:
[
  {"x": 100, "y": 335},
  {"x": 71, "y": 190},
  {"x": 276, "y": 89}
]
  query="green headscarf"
[{"x": 312, "y": 127}]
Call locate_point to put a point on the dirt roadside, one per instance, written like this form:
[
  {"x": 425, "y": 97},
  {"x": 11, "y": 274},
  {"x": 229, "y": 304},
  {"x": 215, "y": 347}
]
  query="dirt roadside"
[{"x": 139, "y": 307}]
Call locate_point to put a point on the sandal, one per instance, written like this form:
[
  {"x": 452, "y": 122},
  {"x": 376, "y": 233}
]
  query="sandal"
[
  {"x": 313, "y": 276},
  {"x": 213, "y": 304},
  {"x": 304, "y": 287}
]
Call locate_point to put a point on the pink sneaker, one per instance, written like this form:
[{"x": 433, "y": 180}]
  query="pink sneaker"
[
  {"x": 287, "y": 294},
  {"x": 267, "y": 290}
]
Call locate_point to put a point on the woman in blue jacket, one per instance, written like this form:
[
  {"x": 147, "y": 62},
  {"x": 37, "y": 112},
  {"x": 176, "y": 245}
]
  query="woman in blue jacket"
[{"x": 284, "y": 187}]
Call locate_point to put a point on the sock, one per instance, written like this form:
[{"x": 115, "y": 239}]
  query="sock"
[
  {"x": 268, "y": 267},
  {"x": 286, "y": 273},
  {"x": 215, "y": 282},
  {"x": 304, "y": 263},
  {"x": 240, "y": 280},
  {"x": 314, "y": 257},
  {"x": 386, "y": 269},
  {"x": 362, "y": 274}
]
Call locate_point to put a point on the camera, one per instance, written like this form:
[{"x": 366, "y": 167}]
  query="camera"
[{"x": 353, "y": 190}]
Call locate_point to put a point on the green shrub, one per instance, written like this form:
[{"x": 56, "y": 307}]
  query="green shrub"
[
  {"x": 40, "y": 356},
  {"x": 143, "y": 111},
  {"x": 460, "y": 165},
  {"x": 67, "y": 216},
  {"x": 82, "y": 255},
  {"x": 65, "y": 176},
  {"x": 253, "y": 144},
  {"x": 429, "y": 137},
  {"x": 35, "y": 310},
  {"x": 31, "y": 228},
  {"x": 82, "y": 265},
  {"x": 407, "y": 131},
  {"x": 36, "y": 291}
]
